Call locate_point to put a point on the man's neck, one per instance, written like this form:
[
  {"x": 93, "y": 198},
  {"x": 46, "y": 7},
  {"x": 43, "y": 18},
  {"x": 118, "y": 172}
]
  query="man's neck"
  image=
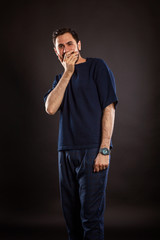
[{"x": 81, "y": 60}]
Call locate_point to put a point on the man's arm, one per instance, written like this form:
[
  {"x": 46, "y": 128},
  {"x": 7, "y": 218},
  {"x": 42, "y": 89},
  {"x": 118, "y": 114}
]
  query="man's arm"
[
  {"x": 102, "y": 161},
  {"x": 55, "y": 97}
]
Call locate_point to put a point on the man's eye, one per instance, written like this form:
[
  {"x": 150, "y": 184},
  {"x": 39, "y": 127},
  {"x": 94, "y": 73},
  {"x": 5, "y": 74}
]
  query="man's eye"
[
  {"x": 69, "y": 43},
  {"x": 60, "y": 46}
]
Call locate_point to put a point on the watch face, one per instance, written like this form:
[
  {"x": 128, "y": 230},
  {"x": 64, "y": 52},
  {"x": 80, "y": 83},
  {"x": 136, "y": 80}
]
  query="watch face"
[{"x": 105, "y": 151}]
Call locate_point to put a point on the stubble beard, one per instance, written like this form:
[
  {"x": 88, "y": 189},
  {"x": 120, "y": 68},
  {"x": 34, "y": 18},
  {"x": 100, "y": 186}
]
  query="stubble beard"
[{"x": 77, "y": 58}]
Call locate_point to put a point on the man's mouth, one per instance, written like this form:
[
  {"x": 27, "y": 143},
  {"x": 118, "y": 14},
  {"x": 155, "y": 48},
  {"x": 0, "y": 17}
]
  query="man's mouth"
[
  {"x": 65, "y": 54},
  {"x": 69, "y": 55}
]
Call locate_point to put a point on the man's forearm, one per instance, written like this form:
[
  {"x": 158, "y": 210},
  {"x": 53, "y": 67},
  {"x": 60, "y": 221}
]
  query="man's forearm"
[
  {"x": 55, "y": 97},
  {"x": 107, "y": 125}
]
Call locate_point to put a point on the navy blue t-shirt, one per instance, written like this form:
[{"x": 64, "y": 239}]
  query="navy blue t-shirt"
[{"x": 90, "y": 90}]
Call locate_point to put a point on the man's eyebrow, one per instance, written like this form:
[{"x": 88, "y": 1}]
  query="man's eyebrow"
[
  {"x": 69, "y": 42},
  {"x": 61, "y": 44}
]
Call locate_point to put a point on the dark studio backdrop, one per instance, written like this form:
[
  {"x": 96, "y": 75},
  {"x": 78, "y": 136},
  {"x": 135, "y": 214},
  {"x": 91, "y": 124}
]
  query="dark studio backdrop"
[{"x": 125, "y": 35}]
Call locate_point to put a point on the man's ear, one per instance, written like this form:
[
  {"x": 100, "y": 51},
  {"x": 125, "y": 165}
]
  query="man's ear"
[{"x": 79, "y": 45}]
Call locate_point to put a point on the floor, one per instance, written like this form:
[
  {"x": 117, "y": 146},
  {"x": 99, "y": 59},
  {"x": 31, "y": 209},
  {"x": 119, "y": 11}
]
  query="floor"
[{"x": 49, "y": 233}]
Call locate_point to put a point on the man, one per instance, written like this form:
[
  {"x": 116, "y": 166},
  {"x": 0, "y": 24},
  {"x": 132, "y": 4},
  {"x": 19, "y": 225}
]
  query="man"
[{"x": 86, "y": 97}]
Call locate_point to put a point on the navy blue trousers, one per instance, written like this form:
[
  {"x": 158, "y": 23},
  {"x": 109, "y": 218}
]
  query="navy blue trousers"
[{"x": 82, "y": 194}]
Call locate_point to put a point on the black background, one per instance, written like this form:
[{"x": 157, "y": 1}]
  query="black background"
[{"x": 125, "y": 35}]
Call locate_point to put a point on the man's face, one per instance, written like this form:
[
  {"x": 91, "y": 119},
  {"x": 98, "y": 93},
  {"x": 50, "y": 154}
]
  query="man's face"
[{"x": 65, "y": 43}]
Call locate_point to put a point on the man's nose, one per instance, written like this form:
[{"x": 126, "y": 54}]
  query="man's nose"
[{"x": 65, "y": 49}]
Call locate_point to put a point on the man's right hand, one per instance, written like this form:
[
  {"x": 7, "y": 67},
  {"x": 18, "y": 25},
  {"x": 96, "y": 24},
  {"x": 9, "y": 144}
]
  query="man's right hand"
[{"x": 69, "y": 61}]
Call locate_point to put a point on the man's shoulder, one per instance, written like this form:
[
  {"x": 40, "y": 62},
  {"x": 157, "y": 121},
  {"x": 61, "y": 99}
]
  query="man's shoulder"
[{"x": 98, "y": 61}]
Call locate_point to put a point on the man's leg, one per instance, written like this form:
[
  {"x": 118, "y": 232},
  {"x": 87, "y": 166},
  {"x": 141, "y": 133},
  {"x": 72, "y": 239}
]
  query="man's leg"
[
  {"x": 69, "y": 191},
  {"x": 92, "y": 188}
]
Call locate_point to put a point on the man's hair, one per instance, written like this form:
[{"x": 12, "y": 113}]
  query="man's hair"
[{"x": 61, "y": 31}]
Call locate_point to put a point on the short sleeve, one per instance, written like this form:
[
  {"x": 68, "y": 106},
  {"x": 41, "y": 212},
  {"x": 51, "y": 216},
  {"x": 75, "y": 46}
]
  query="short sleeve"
[
  {"x": 56, "y": 80},
  {"x": 105, "y": 83}
]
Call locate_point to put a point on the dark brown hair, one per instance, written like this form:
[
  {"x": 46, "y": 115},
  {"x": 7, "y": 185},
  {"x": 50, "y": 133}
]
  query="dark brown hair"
[{"x": 61, "y": 31}]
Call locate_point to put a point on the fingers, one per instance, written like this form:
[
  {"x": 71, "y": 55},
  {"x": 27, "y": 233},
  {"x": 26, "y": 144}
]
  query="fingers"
[
  {"x": 71, "y": 60},
  {"x": 99, "y": 167},
  {"x": 69, "y": 53},
  {"x": 69, "y": 57},
  {"x": 95, "y": 168},
  {"x": 65, "y": 55}
]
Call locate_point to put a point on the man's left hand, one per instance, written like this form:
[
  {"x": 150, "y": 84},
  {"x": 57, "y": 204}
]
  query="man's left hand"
[{"x": 101, "y": 162}]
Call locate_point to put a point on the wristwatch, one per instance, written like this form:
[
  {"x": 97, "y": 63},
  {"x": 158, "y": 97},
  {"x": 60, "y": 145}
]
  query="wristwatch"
[{"x": 104, "y": 151}]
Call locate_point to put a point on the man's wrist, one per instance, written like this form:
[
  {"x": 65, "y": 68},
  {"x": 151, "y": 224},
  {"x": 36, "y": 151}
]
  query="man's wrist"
[
  {"x": 67, "y": 75},
  {"x": 104, "y": 151},
  {"x": 105, "y": 146}
]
